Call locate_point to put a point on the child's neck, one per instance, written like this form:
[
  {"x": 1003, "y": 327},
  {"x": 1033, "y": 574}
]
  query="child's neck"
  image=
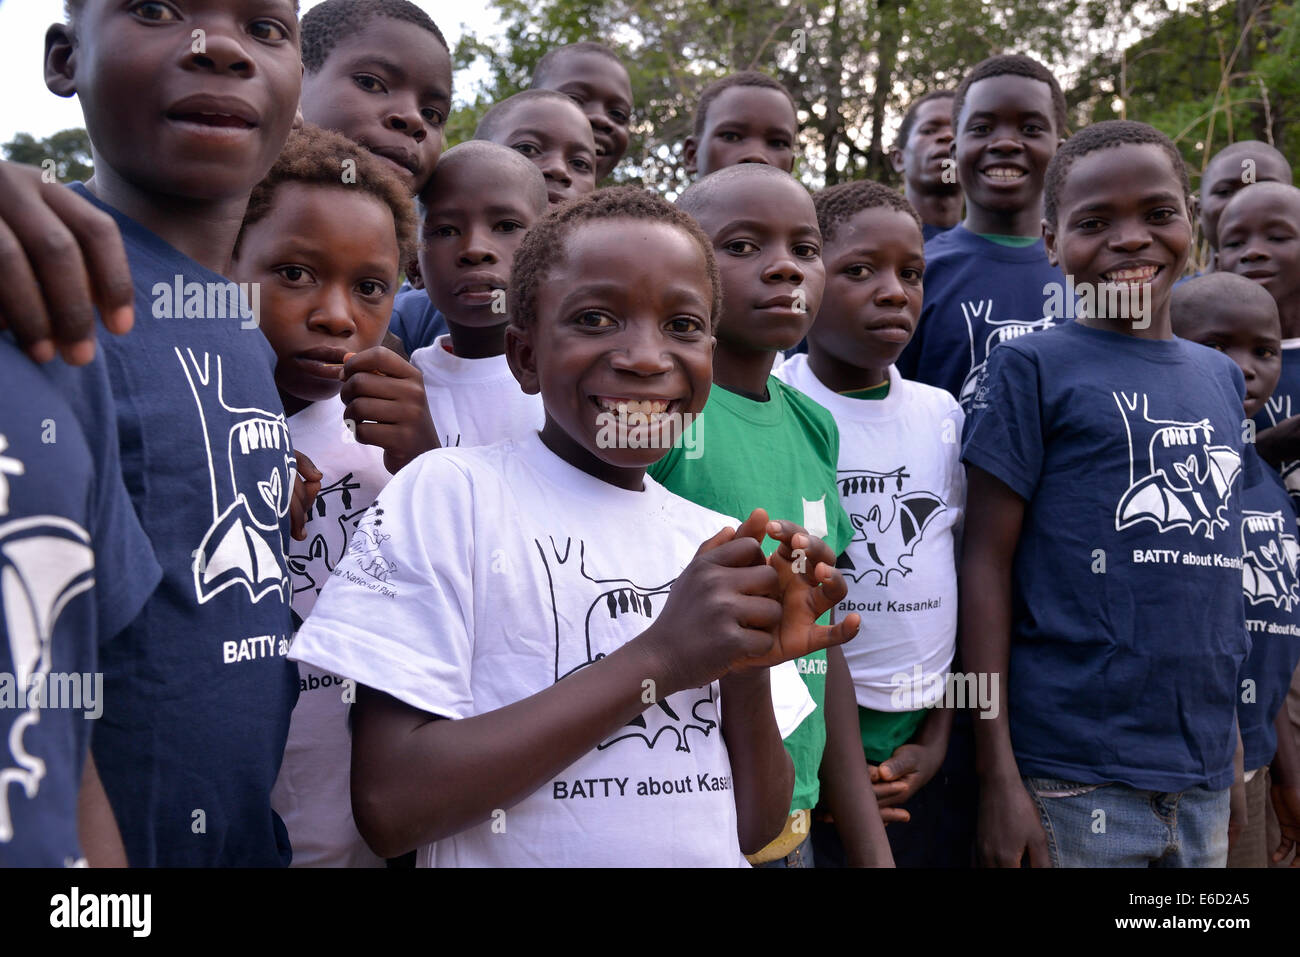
[
  {"x": 292, "y": 404},
  {"x": 1005, "y": 222},
  {"x": 1289, "y": 312},
  {"x": 1160, "y": 326},
  {"x": 477, "y": 342},
  {"x": 936, "y": 209},
  {"x": 204, "y": 230},
  {"x": 743, "y": 371},
  {"x": 839, "y": 376}
]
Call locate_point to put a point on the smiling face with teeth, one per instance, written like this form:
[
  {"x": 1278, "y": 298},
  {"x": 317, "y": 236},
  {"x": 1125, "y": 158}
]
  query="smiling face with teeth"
[
  {"x": 1132, "y": 228},
  {"x": 168, "y": 124},
  {"x": 1006, "y": 136},
  {"x": 623, "y": 323}
]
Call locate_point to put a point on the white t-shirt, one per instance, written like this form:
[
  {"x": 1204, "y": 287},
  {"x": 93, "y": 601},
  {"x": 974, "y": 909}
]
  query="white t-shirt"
[
  {"x": 313, "y": 792},
  {"x": 489, "y": 575},
  {"x": 475, "y": 401},
  {"x": 902, "y": 483}
]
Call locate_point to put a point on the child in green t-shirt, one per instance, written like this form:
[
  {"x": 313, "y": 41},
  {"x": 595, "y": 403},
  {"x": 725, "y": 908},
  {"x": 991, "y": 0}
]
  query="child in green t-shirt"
[{"x": 761, "y": 443}]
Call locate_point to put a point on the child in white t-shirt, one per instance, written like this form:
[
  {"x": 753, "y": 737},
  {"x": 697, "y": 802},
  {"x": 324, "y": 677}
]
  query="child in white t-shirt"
[
  {"x": 900, "y": 480},
  {"x": 553, "y": 670},
  {"x": 482, "y": 199},
  {"x": 327, "y": 255}
]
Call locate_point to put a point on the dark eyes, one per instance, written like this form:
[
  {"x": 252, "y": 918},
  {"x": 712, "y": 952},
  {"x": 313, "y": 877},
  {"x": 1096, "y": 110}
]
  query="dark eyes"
[
  {"x": 807, "y": 251},
  {"x": 581, "y": 164},
  {"x": 268, "y": 30},
  {"x": 155, "y": 11},
  {"x": 293, "y": 274},
  {"x": 371, "y": 287},
  {"x": 591, "y": 319},
  {"x": 740, "y": 247}
]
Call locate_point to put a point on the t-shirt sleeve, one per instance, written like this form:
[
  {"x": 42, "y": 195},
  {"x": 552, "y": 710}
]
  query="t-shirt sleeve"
[
  {"x": 839, "y": 529},
  {"x": 397, "y": 613},
  {"x": 953, "y": 425},
  {"x": 1005, "y": 435},
  {"x": 126, "y": 569}
]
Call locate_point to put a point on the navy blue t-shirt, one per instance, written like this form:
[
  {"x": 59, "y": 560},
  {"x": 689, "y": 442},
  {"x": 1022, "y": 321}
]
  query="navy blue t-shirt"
[
  {"x": 928, "y": 231},
  {"x": 1282, "y": 404},
  {"x": 76, "y": 569},
  {"x": 978, "y": 293},
  {"x": 1269, "y": 559},
  {"x": 415, "y": 320},
  {"x": 1128, "y": 628},
  {"x": 200, "y": 689}
]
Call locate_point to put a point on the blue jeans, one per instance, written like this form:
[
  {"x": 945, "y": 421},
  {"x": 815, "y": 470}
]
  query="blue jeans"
[{"x": 1114, "y": 825}]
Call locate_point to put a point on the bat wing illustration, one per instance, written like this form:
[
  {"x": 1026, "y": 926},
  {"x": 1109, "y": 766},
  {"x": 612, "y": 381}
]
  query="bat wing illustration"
[
  {"x": 1151, "y": 499},
  {"x": 888, "y": 544},
  {"x": 1224, "y": 464}
]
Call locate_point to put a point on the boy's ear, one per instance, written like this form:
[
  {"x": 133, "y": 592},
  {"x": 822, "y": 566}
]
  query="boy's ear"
[
  {"x": 688, "y": 156},
  {"x": 521, "y": 358},
  {"x": 896, "y": 160},
  {"x": 1049, "y": 240},
  {"x": 60, "y": 60}
]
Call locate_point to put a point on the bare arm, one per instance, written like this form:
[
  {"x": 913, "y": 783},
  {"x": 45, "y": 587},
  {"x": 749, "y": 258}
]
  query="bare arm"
[
  {"x": 762, "y": 772},
  {"x": 100, "y": 840},
  {"x": 844, "y": 777},
  {"x": 1008, "y": 822}
]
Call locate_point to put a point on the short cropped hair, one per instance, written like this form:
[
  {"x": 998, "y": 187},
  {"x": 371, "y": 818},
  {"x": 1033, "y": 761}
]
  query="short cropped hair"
[
  {"x": 703, "y": 191},
  {"x": 554, "y": 56},
  {"x": 836, "y": 204},
  {"x": 325, "y": 25},
  {"x": 1226, "y": 290},
  {"x": 1012, "y": 64},
  {"x": 909, "y": 118},
  {"x": 1107, "y": 134},
  {"x": 494, "y": 120},
  {"x": 484, "y": 151},
  {"x": 316, "y": 157},
  {"x": 743, "y": 78},
  {"x": 544, "y": 247}
]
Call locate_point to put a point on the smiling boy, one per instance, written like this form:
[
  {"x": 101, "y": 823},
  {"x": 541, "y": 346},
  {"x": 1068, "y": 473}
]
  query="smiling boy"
[
  {"x": 987, "y": 278},
  {"x": 745, "y": 117},
  {"x": 198, "y": 690},
  {"x": 592, "y": 75},
  {"x": 549, "y": 129},
  {"x": 1101, "y": 568},
  {"x": 481, "y": 203},
  {"x": 478, "y": 740},
  {"x": 923, "y": 156}
]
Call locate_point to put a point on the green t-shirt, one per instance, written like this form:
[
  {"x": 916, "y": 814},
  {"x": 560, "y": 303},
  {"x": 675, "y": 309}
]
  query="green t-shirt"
[{"x": 779, "y": 455}]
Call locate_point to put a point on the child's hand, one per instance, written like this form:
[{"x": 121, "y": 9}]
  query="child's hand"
[
  {"x": 805, "y": 595},
  {"x": 305, "y": 488},
  {"x": 1286, "y": 805},
  {"x": 1009, "y": 827},
  {"x": 721, "y": 611},
  {"x": 60, "y": 257},
  {"x": 897, "y": 779},
  {"x": 384, "y": 397}
]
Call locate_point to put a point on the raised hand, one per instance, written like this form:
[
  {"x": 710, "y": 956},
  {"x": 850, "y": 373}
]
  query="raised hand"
[{"x": 384, "y": 399}]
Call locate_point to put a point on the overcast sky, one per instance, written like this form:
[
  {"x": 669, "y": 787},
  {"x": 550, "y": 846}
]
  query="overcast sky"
[{"x": 30, "y": 108}]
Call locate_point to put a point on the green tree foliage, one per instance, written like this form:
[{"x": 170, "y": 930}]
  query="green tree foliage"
[
  {"x": 69, "y": 149},
  {"x": 852, "y": 65}
]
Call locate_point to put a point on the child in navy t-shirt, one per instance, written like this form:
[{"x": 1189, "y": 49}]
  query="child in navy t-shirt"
[
  {"x": 988, "y": 280},
  {"x": 1101, "y": 572},
  {"x": 1234, "y": 315},
  {"x": 77, "y": 568}
]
